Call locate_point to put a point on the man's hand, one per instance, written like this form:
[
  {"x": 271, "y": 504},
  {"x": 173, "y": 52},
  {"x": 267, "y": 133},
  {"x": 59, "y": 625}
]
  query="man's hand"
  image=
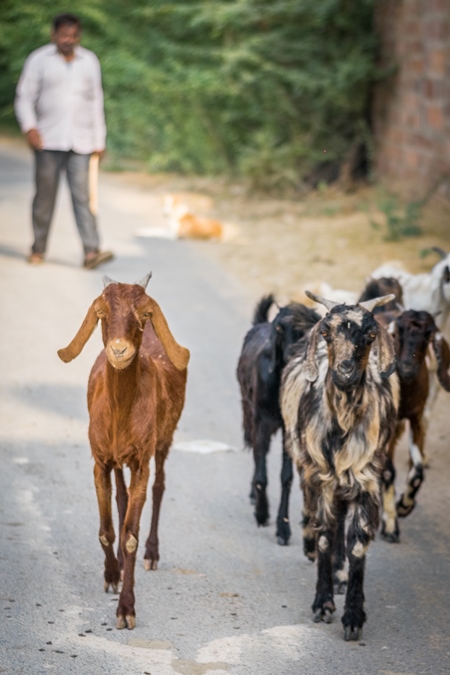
[
  {"x": 34, "y": 139},
  {"x": 99, "y": 153}
]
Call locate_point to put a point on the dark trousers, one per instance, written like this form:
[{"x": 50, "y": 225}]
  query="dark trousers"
[{"x": 49, "y": 166}]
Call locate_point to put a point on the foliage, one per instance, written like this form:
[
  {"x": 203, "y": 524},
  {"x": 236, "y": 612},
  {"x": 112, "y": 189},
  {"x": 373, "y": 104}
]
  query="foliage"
[
  {"x": 276, "y": 90},
  {"x": 402, "y": 220}
]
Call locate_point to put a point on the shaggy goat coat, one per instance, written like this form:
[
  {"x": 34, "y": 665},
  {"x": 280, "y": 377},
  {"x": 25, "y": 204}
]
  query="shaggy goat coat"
[{"x": 339, "y": 400}]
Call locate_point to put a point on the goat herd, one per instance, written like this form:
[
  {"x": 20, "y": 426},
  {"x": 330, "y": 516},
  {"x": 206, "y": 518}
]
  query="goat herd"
[{"x": 339, "y": 383}]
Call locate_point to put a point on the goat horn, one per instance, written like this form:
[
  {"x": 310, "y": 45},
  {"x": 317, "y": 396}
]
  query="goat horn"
[
  {"x": 144, "y": 281},
  {"x": 329, "y": 304},
  {"x": 106, "y": 281},
  {"x": 439, "y": 251},
  {"x": 376, "y": 302}
]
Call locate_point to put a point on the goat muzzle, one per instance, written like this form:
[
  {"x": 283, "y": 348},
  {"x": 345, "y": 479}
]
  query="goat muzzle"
[
  {"x": 407, "y": 370},
  {"x": 120, "y": 353},
  {"x": 346, "y": 375}
]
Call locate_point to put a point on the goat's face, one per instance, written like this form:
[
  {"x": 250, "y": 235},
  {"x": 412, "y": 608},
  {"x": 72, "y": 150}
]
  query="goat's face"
[
  {"x": 413, "y": 332},
  {"x": 286, "y": 332},
  {"x": 440, "y": 274},
  {"x": 383, "y": 286},
  {"x": 349, "y": 333},
  {"x": 123, "y": 310}
]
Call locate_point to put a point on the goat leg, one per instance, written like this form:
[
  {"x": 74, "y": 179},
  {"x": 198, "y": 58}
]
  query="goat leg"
[
  {"x": 283, "y": 527},
  {"x": 102, "y": 479},
  {"x": 260, "y": 450},
  {"x": 360, "y": 532},
  {"x": 323, "y": 605},
  {"x": 122, "y": 503},
  {"x": 390, "y": 530},
  {"x": 308, "y": 529},
  {"x": 416, "y": 476},
  {"x": 151, "y": 556},
  {"x": 129, "y": 540},
  {"x": 340, "y": 575}
]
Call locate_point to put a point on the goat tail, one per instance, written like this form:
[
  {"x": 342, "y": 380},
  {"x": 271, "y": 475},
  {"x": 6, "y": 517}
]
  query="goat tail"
[
  {"x": 84, "y": 333},
  {"x": 262, "y": 309}
]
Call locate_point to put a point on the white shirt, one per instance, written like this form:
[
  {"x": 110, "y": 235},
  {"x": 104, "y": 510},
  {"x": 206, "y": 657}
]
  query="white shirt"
[{"x": 62, "y": 100}]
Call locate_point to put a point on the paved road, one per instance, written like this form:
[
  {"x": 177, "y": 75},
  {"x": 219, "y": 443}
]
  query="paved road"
[{"x": 226, "y": 599}]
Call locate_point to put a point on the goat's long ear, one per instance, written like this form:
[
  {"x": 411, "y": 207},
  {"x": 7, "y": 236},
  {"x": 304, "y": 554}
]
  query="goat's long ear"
[
  {"x": 177, "y": 354},
  {"x": 87, "y": 328},
  {"x": 310, "y": 365},
  {"x": 386, "y": 353},
  {"x": 442, "y": 351}
]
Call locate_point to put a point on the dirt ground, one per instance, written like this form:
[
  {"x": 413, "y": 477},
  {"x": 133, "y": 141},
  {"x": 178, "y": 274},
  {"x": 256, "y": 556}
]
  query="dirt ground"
[{"x": 284, "y": 245}]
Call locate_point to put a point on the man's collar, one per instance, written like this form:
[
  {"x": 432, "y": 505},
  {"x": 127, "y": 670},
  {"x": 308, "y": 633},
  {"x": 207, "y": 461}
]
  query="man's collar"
[{"x": 77, "y": 51}]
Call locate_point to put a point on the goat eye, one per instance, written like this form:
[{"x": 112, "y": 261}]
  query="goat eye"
[
  {"x": 100, "y": 313},
  {"x": 146, "y": 315}
]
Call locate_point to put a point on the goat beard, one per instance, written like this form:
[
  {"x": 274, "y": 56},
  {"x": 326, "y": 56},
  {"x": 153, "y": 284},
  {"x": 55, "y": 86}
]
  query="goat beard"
[
  {"x": 347, "y": 383},
  {"x": 121, "y": 365}
]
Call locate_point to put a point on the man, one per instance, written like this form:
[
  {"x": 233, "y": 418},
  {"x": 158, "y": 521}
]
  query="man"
[{"x": 59, "y": 107}]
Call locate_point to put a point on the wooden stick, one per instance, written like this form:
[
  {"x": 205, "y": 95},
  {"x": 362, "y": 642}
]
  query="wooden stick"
[{"x": 93, "y": 183}]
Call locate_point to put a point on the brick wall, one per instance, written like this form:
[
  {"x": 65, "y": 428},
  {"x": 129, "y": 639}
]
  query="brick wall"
[{"x": 412, "y": 106}]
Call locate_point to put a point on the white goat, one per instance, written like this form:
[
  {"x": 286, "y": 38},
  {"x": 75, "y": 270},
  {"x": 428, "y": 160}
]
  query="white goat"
[{"x": 429, "y": 291}]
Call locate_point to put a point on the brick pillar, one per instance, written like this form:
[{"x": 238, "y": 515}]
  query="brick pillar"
[{"x": 411, "y": 107}]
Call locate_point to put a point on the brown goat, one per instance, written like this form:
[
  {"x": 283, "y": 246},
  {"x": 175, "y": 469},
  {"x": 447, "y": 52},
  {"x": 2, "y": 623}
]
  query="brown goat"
[
  {"x": 413, "y": 333},
  {"x": 136, "y": 395}
]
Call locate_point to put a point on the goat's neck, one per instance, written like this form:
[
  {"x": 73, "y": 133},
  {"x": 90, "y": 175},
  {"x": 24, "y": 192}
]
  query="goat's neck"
[
  {"x": 346, "y": 406},
  {"x": 122, "y": 385}
]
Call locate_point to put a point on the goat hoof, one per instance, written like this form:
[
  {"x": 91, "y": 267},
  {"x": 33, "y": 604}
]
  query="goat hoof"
[
  {"x": 324, "y": 613},
  {"x": 262, "y": 516},
  {"x": 150, "y": 564},
  {"x": 317, "y": 616},
  {"x": 120, "y": 622},
  {"x": 128, "y": 621},
  {"x": 131, "y": 621},
  {"x": 403, "y": 509},
  {"x": 340, "y": 587},
  {"x": 114, "y": 586},
  {"x": 262, "y": 521},
  {"x": 391, "y": 537},
  {"x": 283, "y": 531},
  {"x": 351, "y": 633}
]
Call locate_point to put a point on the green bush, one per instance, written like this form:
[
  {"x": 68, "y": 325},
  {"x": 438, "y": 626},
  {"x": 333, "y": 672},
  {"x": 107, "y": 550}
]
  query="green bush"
[{"x": 274, "y": 90}]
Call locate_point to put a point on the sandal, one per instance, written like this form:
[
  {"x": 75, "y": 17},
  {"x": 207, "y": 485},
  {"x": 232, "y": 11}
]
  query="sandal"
[
  {"x": 35, "y": 258},
  {"x": 92, "y": 260}
]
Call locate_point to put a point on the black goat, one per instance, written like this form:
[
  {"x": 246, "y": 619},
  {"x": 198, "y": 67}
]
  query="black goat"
[{"x": 264, "y": 354}]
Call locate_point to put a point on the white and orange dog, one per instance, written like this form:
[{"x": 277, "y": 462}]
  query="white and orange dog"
[{"x": 183, "y": 223}]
